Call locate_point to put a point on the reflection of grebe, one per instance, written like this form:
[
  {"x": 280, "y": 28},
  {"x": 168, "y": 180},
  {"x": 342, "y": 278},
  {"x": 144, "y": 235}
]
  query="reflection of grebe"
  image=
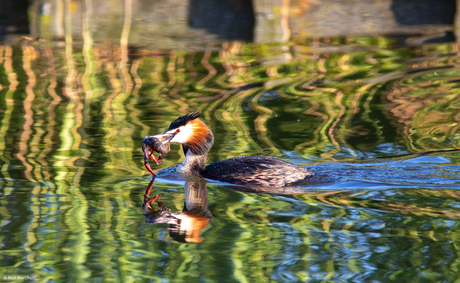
[
  {"x": 197, "y": 139},
  {"x": 185, "y": 226}
]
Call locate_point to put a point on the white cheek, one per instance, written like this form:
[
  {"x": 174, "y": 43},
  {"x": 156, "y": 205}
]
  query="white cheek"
[{"x": 183, "y": 135}]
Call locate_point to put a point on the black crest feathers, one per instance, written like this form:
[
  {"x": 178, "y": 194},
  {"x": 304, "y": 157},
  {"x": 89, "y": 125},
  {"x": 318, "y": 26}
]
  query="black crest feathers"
[{"x": 183, "y": 120}]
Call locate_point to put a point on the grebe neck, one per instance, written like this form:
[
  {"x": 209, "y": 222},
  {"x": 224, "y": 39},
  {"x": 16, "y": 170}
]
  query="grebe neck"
[{"x": 194, "y": 163}]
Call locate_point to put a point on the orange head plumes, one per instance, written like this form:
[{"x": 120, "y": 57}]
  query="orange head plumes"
[{"x": 192, "y": 133}]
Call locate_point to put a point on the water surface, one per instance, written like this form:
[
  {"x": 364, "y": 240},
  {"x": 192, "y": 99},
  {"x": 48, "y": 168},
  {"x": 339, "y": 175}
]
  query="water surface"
[{"x": 378, "y": 123}]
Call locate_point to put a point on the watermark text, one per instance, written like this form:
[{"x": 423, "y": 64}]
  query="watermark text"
[{"x": 18, "y": 277}]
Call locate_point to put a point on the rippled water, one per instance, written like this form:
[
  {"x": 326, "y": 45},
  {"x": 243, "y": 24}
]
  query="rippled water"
[{"x": 378, "y": 124}]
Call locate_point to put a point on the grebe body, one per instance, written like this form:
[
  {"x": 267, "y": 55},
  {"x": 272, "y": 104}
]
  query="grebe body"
[{"x": 197, "y": 139}]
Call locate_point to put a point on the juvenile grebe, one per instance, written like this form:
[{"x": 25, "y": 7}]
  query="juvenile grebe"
[{"x": 197, "y": 139}]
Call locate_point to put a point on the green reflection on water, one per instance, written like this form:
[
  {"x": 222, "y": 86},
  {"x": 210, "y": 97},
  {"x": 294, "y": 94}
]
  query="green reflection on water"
[{"x": 71, "y": 123}]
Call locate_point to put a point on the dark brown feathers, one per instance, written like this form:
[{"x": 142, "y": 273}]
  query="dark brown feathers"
[{"x": 256, "y": 171}]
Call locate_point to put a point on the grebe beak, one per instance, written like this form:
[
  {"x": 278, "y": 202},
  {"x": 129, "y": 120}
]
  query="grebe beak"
[{"x": 167, "y": 136}]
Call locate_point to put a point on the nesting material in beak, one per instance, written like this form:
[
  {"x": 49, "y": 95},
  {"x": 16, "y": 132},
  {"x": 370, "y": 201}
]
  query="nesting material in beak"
[{"x": 149, "y": 146}]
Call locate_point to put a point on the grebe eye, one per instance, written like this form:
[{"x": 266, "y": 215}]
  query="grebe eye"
[{"x": 177, "y": 131}]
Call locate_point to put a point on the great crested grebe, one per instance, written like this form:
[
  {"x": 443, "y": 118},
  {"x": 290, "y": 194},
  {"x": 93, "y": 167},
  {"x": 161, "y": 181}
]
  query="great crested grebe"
[{"x": 197, "y": 139}]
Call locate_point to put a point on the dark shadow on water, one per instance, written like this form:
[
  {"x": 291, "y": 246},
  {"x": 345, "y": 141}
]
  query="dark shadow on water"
[
  {"x": 13, "y": 18},
  {"x": 416, "y": 12},
  {"x": 230, "y": 19}
]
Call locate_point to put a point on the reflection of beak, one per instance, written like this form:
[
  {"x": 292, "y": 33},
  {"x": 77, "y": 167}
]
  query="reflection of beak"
[{"x": 166, "y": 136}]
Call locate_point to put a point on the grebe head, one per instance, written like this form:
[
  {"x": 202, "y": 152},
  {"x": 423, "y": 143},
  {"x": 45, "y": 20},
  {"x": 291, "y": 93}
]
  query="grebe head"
[{"x": 191, "y": 132}]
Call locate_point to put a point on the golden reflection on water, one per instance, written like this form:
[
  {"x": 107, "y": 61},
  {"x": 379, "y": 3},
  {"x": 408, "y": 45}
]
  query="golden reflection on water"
[
  {"x": 72, "y": 119},
  {"x": 177, "y": 82}
]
